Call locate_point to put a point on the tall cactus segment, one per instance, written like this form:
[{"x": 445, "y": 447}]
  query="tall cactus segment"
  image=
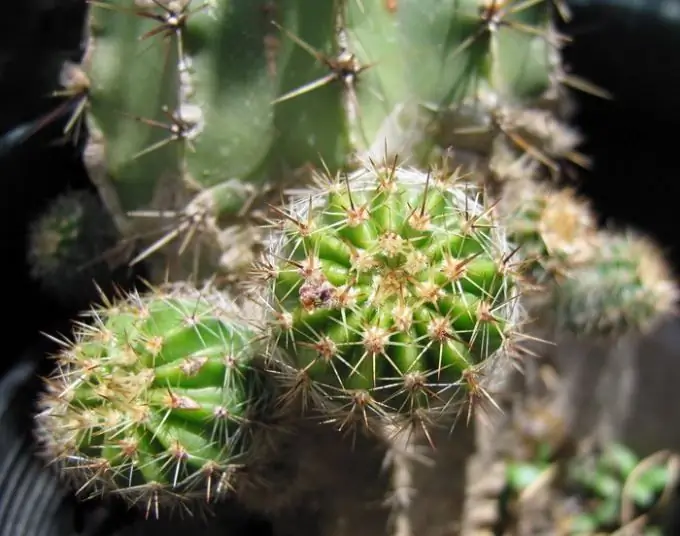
[
  {"x": 199, "y": 108},
  {"x": 158, "y": 400},
  {"x": 180, "y": 97},
  {"x": 392, "y": 291}
]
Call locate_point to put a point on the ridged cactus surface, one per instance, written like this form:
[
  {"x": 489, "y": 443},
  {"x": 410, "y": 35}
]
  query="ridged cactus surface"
[
  {"x": 392, "y": 290},
  {"x": 437, "y": 68},
  {"x": 201, "y": 111},
  {"x": 154, "y": 399}
]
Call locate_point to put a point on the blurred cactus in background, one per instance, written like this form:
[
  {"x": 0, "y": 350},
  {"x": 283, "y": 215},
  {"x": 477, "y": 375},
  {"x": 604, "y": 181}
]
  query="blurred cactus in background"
[
  {"x": 376, "y": 185},
  {"x": 68, "y": 245}
]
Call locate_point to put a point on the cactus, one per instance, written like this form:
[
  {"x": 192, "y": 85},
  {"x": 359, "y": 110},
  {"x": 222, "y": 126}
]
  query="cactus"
[
  {"x": 393, "y": 294},
  {"x": 158, "y": 400},
  {"x": 592, "y": 282},
  {"x": 68, "y": 245},
  {"x": 392, "y": 290},
  {"x": 625, "y": 287},
  {"x": 219, "y": 105}
]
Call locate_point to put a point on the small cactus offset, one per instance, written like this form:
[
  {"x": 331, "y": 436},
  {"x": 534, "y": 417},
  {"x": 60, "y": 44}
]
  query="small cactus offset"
[
  {"x": 392, "y": 291},
  {"x": 625, "y": 287},
  {"x": 158, "y": 400},
  {"x": 591, "y": 282},
  {"x": 70, "y": 244}
]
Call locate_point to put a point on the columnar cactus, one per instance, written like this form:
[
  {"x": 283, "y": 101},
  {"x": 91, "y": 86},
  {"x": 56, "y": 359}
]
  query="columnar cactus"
[
  {"x": 200, "y": 111},
  {"x": 158, "y": 400},
  {"x": 392, "y": 290}
]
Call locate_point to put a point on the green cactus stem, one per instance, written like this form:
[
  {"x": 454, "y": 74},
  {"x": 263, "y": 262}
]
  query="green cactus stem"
[{"x": 392, "y": 293}]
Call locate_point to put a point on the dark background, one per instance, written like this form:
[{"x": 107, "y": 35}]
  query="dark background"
[{"x": 630, "y": 51}]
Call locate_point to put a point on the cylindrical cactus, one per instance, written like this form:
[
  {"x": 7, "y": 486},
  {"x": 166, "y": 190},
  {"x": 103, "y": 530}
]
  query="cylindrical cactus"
[
  {"x": 392, "y": 290},
  {"x": 159, "y": 400}
]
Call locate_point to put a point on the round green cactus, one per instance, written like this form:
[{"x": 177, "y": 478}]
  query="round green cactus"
[
  {"x": 157, "y": 400},
  {"x": 392, "y": 290},
  {"x": 586, "y": 281}
]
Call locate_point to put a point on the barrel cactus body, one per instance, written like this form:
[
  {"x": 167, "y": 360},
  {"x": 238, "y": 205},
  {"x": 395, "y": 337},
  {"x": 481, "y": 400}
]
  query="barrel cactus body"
[
  {"x": 155, "y": 400},
  {"x": 392, "y": 290}
]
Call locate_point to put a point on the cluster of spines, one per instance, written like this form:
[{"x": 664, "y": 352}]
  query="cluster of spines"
[
  {"x": 157, "y": 400},
  {"x": 392, "y": 292}
]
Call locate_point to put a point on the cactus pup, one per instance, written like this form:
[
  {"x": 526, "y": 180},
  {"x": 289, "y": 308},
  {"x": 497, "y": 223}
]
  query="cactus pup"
[
  {"x": 590, "y": 281},
  {"x": 68, "y": 245}
]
